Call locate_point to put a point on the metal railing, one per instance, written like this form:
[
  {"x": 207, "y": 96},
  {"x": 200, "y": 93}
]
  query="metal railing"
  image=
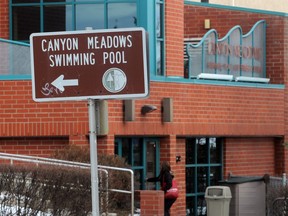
[
  {"x": 277, "y": 199},
  {"x": 49, "y": 161},
  {"x": 280, "y": 206},
  {"x": 15, "y": 60}
]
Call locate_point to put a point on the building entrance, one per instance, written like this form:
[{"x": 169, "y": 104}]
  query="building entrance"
[{"x": 143, "y": 156}]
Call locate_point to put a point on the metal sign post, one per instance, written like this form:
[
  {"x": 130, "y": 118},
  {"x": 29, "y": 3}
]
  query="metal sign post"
[
  {"x": 90, "y": 65},
  {"x": 93, "y": 157}
]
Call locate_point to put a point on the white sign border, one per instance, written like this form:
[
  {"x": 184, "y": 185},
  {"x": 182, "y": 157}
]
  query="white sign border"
[{"x": 145, "y": 94}]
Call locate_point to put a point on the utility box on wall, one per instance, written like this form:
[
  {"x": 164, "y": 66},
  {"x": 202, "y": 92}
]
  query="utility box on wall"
[{"x": 248, "y": 196}]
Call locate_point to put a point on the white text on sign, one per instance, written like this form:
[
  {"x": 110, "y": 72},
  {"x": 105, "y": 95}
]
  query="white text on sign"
[{"x": 54, "y": 46}]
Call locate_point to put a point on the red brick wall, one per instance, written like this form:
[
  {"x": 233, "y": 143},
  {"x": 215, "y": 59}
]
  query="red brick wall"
[
  {"x": 4, "y": 19},
  {"x": 21, "y": 116},
  {"x": 209, "y": 110},
  {"x": 224, "y": 19},
  {"x": 25, "y": 122},
  {"x": 198, "y": 110},
  {"x": 249, "y": 156},
  {"x": 151, "y": 202},
  {"x": 37, "y": 146},
  {"x": 285, "y": 56}
]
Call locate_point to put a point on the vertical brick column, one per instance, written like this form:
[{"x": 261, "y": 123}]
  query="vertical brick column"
[
  {"x": 174, "y": 32},
  {"x": 285, "y": 60},
  {"x": 4, "y": 19},
  {"x": 179, "y": 207},
  {"x": 106, "y": 144},
  {"x": 171, "y": 147},
  {"x": 151, "y": 202},
  {"x": 280, "y": 157}
]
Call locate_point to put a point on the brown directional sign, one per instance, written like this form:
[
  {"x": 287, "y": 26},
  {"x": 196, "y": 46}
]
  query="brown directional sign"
[{"x": 91, "y": 64}]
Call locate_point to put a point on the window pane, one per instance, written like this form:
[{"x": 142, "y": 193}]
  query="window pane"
[
  {"x": 116, "y": 148},
  {"x": 202, "y": 174},
  {"x": 138, "y": 175},
  {"x": 215, "y": 151},
  {"x": 215, "y": 175},
  {"x": 137, "y": 151},
  {"x": 57, "y": 18},
  {"x": 126, "y": 151},
  {"x": 159, "y": 25},
  {"x": 90, "y": 0},
  {"x": 159, "y": 57},
  {"x": 202, "y": 151},
  {"x": 151, "y": 164},
  {"x": 190, "y": 208},
  {"x": 25, "y": 1},
  {"x": 190, "y": 178},
  {"x": 64, "y": 1},
  {"x": 201, "y": 206},
  {"x": 190, "y": 151},
  {"x": 90, "y": 15},
  {"x": 122, "y": 15},
  {"x": 21, "y": 17},
  {"x": 159, "y": 21}
]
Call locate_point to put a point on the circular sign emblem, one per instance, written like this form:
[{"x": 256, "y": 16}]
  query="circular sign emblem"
[{"x": 114, "y": 80}]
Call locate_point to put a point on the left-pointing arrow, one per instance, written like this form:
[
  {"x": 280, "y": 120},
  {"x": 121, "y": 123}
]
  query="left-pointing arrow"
[{"x": 59, "y": 83}]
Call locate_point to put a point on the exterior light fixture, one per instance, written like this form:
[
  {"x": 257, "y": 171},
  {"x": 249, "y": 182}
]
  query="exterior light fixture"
[
  {"x": 147, "y": 109},
  {"x": 167, "y": 110},
  {"x": 207, "y": 24},
  {"x": 129, "y": 110}
]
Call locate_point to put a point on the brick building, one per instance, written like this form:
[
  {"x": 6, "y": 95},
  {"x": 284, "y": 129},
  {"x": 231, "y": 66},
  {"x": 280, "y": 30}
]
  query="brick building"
[
  {"x": 281, "y": 5},
  {"x": 205, "y": 128}
]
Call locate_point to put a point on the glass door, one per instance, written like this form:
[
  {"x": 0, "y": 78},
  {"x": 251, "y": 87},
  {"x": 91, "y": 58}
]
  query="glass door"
[
  {"x": 152, "y": 162},
  {"x": 143, "y": 156}
]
